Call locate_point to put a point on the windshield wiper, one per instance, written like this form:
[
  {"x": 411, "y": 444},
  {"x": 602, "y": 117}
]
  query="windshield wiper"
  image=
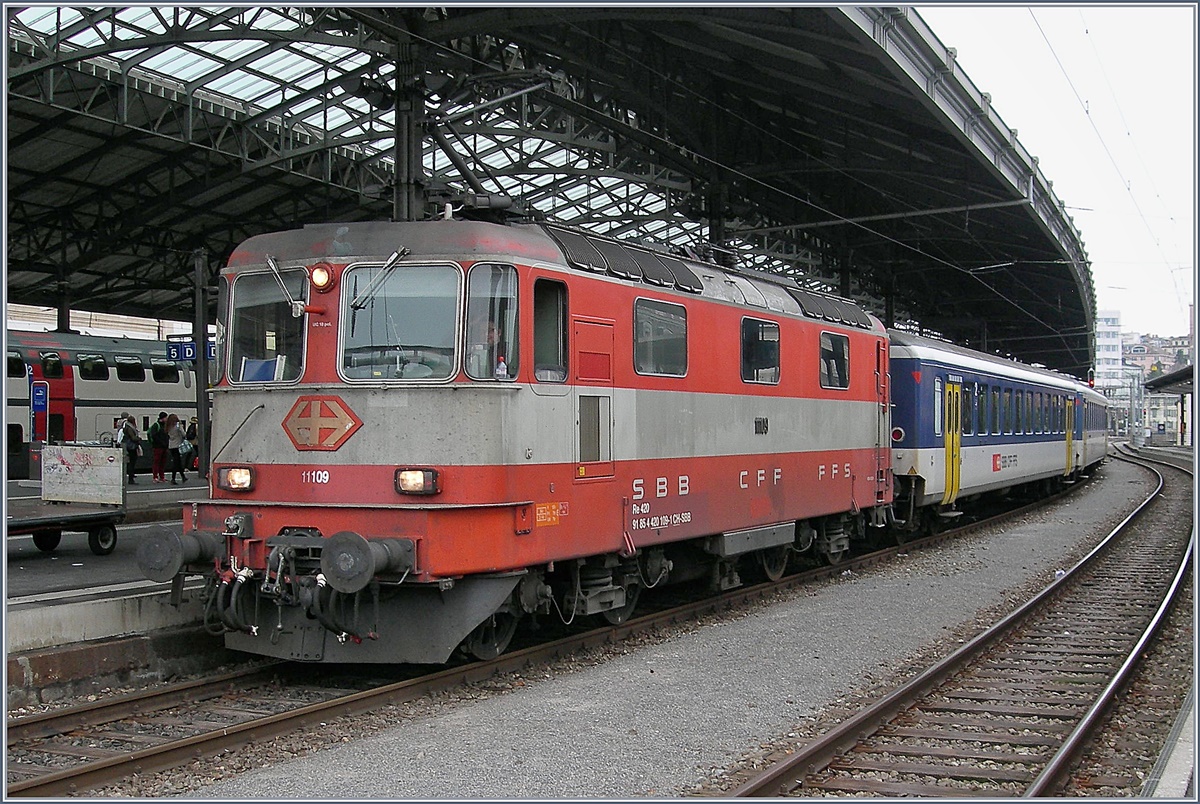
[
  {"x": 360, "y": 301},
  {"x": 297, "y": 306}
]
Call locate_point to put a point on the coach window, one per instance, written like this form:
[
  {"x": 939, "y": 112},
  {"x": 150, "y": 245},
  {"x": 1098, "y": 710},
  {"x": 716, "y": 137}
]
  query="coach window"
[
  {"x": 995, "y": 410},
  {"x": 968, "y": 408},
  {"x": 937, "y": 406},
  {"x": 982, "y": 415},
  {"x": 492, "y": 348},
  {"x": 52, "y": 365},
  {"x": 1029, "y": 411},
  {"x": 835, "y": 360},
  {"x": 760, "y": 351},
  {"x": 16, "y": 435},
  {"x": 659, "y": 338},
  {"x": 1008, "y": 411},
  {"x": 16, "y": 365},
  {"x": 266, "y": 340},
  {"x": 549, "y": 331},
  {"x": 130, "y": 368},
  {"x": 92, "y": 367},
  {"x": 164, "y": 370}
]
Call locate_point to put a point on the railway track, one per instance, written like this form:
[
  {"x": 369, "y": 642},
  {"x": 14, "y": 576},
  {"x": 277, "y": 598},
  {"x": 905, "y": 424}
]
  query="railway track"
[
  {"x": 1008, "y": 713},
  {"x": 70, "y": 751}
]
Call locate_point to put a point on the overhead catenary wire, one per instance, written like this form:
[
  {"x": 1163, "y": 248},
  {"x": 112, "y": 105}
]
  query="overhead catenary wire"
[{"x": 1125, "y": 182}]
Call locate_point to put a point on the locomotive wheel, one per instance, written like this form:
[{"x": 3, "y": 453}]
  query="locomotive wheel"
[
  {"x": 102, "y": 540},
  {"x": 619, "y": 615},
  {"x": 774, "y": 561},
  {"x": 834, "y": 557},
  {"x": 491, "y": 637},
  {"x": 47, "y": 540}
]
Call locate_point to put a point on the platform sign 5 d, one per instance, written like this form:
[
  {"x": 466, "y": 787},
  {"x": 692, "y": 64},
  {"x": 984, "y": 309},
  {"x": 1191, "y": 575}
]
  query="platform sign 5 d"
[{"x": 186, "y": 350}]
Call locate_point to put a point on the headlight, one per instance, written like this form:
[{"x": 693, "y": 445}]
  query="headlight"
[
  {"x": 417, "y": 481},
  {"x": 235, "y": 478},
  {"x": 321, "y": 276}
]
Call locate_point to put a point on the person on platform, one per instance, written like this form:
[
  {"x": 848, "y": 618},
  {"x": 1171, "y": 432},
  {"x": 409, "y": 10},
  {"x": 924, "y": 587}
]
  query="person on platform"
[
  {"x": 158, "y": 442},
  {"x": 192, "y": 435},
  {"x": 175, "y": 438},
  {"x": 128, "y": 439}
]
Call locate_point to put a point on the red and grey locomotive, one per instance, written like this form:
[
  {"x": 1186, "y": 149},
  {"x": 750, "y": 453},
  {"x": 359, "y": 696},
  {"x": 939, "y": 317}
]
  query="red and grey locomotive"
[{"x": 423, "y": 432}]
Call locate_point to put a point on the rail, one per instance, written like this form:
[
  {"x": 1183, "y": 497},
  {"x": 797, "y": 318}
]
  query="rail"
[
  {"x": 872, "y": 751},
  {"x": 26, "y": 735}
]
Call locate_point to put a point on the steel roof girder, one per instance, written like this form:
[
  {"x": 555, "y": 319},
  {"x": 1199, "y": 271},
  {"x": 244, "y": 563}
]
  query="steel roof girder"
[{"x": 916, "y": 52}]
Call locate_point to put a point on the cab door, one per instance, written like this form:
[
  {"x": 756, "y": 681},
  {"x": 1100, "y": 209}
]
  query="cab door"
[
  {"x": 593, "y": 340},
  {"x": 953, "y": 439}
]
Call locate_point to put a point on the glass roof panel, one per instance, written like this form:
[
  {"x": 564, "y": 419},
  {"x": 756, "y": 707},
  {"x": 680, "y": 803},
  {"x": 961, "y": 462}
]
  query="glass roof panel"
[
  {"x": 181, "y": 65},
  {"x": 571, "y": 181}
]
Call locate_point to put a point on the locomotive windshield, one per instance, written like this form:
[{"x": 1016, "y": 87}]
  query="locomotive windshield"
[
  {"x": 267, "y": 341},
  {"x": 405, "y": 328}
]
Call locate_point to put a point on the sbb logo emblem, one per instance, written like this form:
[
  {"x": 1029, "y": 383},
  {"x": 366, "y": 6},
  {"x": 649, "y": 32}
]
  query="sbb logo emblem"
[{"x": 320, "y": 422}]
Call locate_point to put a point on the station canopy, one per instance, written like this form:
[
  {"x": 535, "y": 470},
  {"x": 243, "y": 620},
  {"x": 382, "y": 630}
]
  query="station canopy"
[{"x": 841, "y": 147}]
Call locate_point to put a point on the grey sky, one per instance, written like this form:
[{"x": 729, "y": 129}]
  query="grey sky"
[{"x": 1105, "y": 97}]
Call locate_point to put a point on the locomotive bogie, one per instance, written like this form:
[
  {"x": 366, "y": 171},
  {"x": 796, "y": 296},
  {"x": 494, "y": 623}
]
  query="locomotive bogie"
[{"x": 420, "y": 623}]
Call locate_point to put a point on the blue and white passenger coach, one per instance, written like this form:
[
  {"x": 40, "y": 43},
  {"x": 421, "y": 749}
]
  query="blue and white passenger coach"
[{"x": 965, "y": 423}]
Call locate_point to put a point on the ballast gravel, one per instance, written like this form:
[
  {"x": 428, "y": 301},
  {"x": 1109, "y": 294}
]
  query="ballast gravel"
[{"x": 684, "y": 713}]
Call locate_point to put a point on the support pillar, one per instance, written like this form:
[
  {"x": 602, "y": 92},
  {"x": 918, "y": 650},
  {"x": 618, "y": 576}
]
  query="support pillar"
[
  {"x": 63, "y": 322},
  {"x": 408, "y": 193},
  {"x": 718, "y": 195},
  {"x": 200, "y": 335}
]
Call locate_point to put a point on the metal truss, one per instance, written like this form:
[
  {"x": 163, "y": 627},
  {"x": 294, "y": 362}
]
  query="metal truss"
[{"x": 139, "y": 135}]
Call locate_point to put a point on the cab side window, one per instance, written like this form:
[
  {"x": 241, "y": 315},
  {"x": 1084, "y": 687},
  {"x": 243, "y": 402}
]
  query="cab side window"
[
  {"x": 760, "y": 351},
  {"x": 835, "y": 360},
  {"x": 549, "y": 331},
  {"x": 659, "y": 338}
]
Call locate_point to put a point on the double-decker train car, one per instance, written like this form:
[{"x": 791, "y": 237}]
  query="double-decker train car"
[
  {"x": 89, "y": 381},
  {"x": 966, "y": 423},
  {"x": 425, "y": 432}
]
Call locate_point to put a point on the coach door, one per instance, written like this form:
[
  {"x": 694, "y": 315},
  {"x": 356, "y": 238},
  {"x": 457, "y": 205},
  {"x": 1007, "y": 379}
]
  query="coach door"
[
  {"x": 593, "y": 398},
  {"x": 953, "y": 417},
  {"x": 1070, "y": 437}
]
